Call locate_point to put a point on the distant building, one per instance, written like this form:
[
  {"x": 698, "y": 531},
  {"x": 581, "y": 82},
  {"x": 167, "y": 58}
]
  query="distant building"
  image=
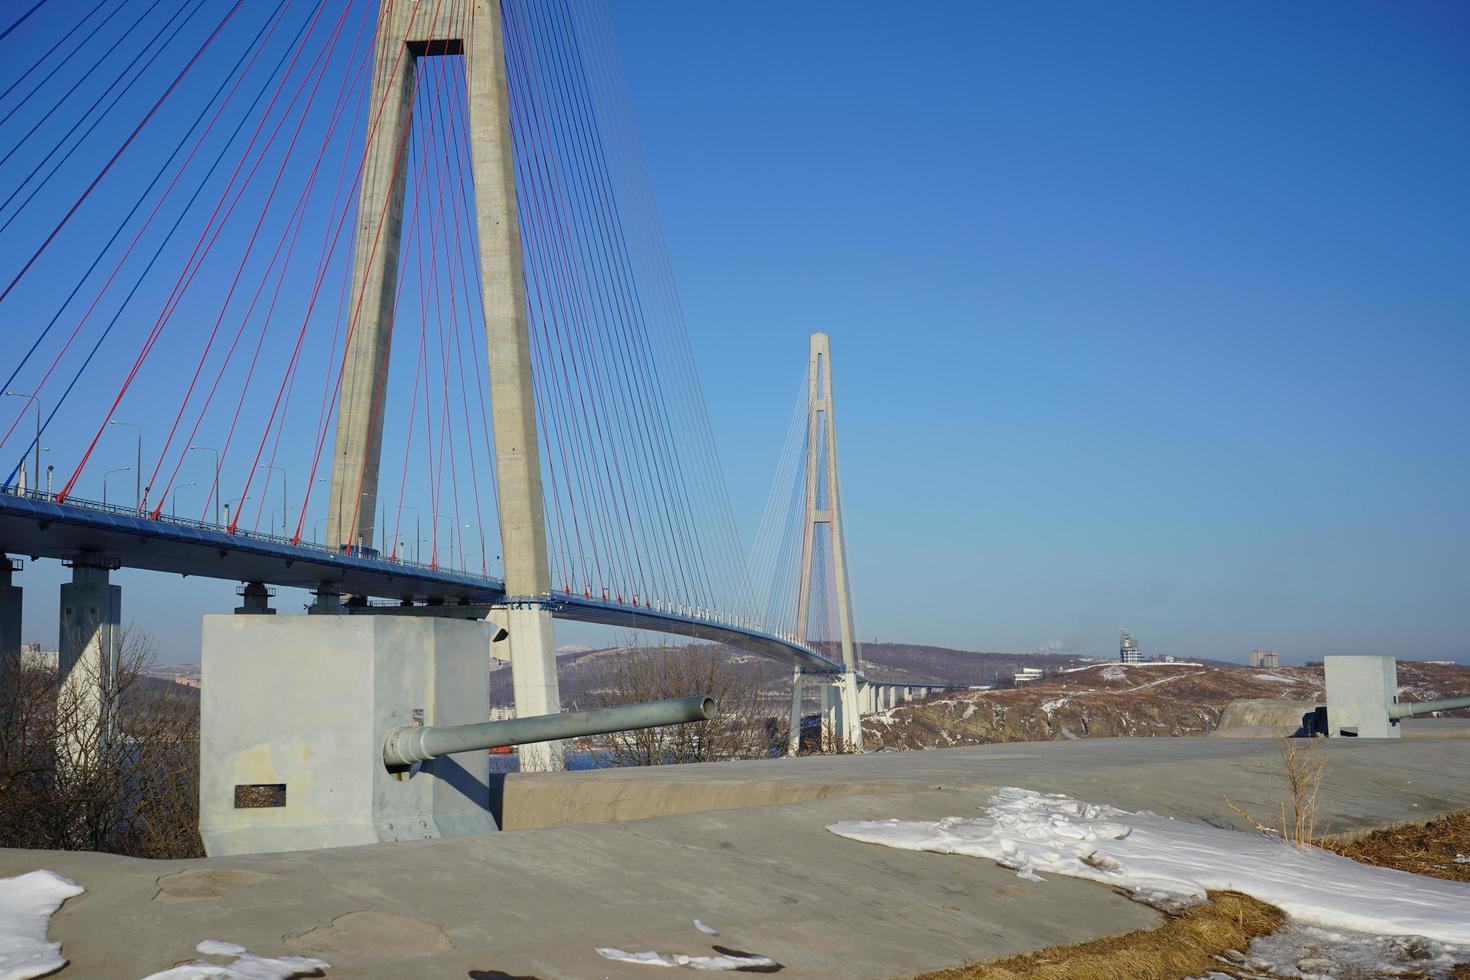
[
  {"x": 1028, "y": 674},
  {"x": 1265, "y": 658},
  {"x": 31, "y": 655},
  {"x": 1129, "y": 651}
]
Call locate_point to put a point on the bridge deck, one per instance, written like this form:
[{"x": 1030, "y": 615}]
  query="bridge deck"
[{"x": 41, "y": 527}]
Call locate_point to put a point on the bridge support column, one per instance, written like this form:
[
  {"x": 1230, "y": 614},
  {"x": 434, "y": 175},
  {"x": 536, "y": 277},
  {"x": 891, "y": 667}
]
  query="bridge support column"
[
  {"x": 255, "y": 600},
  {"x": 852, "y": 713},
  {"x": 841, "y": 711},
  {"x": 89, "y": 647},
  {"x": 533, "y": 676},
  {"x": 328, "y": 601},
  {"x": 10, "y": 610},
  {"x": 831, "y": 717},
  {"x": 793, "y": 734}
]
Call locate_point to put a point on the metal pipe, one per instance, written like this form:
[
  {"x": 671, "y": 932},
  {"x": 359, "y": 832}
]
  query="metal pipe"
[
  {"x": 406, "y": 745},
  {"x": 1408, "y": 709}
]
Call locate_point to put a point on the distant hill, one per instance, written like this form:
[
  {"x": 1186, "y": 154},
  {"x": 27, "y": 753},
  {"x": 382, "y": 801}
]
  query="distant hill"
[
  {"x": 580, "y": 671},
  {"x": 1121, "y": 699}
]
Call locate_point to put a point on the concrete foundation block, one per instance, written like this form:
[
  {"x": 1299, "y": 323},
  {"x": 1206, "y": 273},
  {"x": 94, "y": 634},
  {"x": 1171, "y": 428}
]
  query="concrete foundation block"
[
  {"x": 10, "y": 612},
  {"x": 1359, "y": 691},
  {"x": 295, "y": 710}
]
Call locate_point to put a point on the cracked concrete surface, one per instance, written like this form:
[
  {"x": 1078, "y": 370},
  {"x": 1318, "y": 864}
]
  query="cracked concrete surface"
[{"x": 538, "y": 902}]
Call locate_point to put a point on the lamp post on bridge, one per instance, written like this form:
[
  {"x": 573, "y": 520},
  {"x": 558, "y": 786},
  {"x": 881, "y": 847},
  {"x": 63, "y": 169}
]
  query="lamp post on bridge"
[
  {"x": 466, "y": 557},
  {"x": 34, "y": 396},
  {"x": 120, "y": 469},
  {"x": 174, "y": 509},
  {"x": 214, "y": 491},
  {"x": 138, "y": 476},
  {"x": 418, "y": 531},
  {"x": 268, "y": 467}
]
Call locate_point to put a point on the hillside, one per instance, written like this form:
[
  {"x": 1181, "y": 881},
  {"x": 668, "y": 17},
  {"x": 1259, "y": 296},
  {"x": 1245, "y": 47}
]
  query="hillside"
[
  {"x": 1120, "y": 699},
  {"x": 583, "y": 670}
]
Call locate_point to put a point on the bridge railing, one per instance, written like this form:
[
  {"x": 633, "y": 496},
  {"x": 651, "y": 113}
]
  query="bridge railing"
[{"x": 133, "y": 512}]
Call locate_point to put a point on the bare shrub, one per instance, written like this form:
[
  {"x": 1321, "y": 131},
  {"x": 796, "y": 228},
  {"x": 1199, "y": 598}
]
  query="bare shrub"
[
  {"x": 116, "y": 773},
  {"x": 1301, "y": 773},
  {"x": 745, "y": 725}
]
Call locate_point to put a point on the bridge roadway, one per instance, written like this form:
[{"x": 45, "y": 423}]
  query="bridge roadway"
[{"x": 38, "y": 525}]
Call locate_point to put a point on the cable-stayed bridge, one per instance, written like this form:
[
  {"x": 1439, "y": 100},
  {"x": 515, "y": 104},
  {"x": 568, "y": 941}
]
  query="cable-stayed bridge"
[{"x": 370, "y": 297}]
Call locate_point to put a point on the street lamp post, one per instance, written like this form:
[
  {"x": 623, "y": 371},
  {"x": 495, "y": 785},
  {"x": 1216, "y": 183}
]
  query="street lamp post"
[
  {"x": 138, "y": 476},
  {"x": 464, "y": 559},
  {"x": 214, "y": 491},
  {"x": 417, "y": 530},
  {"x": 267, "y": 467},
  {"x": 34, "y": 396},
  {"x": 120, "y": 469},
  {"x": 182, "y": 486}
]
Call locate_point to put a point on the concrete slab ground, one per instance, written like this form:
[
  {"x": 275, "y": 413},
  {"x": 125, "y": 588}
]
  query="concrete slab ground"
[{"x": 538, "y": 902}]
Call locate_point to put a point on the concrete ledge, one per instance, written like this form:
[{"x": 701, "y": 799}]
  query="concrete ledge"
[{"x": 571, "y": 799}]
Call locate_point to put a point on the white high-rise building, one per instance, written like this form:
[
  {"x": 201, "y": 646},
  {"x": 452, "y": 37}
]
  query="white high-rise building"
[{"x": 1128, "y": 649}]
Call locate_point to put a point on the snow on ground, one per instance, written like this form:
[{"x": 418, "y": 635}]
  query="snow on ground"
[
  {"x": 1170, "y": 863},
  {"x": 721, "y": 961},
  {"x": 26, "y": 904},
  {"x": 1313, "y": 952},
  {"x": 725, "y": 959},
  {"x": 246, "y": 965}
]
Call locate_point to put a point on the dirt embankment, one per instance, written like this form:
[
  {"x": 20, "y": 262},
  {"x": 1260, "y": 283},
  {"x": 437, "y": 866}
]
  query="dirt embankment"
[{"x": 1120, "y": 699}]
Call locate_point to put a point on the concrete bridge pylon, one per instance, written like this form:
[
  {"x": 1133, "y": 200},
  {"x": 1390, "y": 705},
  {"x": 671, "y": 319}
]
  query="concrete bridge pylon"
[
  {"x": 406, "y": 33},
  {"x": 841, "y": 702}
]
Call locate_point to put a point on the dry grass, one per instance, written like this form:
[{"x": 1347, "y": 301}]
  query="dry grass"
[
  {"x": 1185, "y": 946},
  {"x": 1302, "y": 774},
  {"x": 1430, "y": 849}
]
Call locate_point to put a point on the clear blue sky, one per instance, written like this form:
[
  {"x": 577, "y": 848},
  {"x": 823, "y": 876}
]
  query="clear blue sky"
[{"x": 1145, "y": 316}]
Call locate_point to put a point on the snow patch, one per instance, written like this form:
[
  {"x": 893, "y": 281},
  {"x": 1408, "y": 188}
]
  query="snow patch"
[
  {"x": 1311, "y": 952},
  {"x": 246, "y": 965},
  {"x": 1171, "y": 863},
  {"x": 722, "y": 961},
  {"x": 26, "y": 904},
  {"x": 969, "y": 710}
]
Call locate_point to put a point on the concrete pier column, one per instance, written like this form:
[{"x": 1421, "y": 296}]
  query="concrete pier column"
[
  {"x": 831, "y": 716},
  {"x": 533, "y": 676},
  {"x": 255, "y": 600},
  {"x": 327, "y": 601},
  {"x": 793, "y": 735},
  {"x": 10, "y": 610},
  {"x": 852, "y": 713},
  {"x": 89, "y": 645}
]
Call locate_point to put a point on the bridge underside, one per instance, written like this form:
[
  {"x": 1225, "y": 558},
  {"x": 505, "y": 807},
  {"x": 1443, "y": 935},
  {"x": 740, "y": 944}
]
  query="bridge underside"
[{"x": 42, "y": 528}]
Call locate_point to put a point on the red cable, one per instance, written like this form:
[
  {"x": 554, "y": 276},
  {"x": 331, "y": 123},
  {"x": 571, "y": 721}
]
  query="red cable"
[
  {"x": 126, "y": 143},
  {"x": 191, "y": 267}
]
